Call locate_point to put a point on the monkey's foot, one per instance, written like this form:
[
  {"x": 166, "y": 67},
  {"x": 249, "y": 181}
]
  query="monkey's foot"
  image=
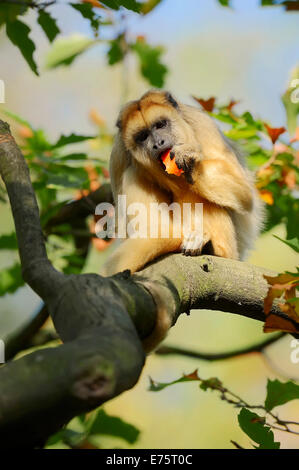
[{"x": 192, "y": 244}]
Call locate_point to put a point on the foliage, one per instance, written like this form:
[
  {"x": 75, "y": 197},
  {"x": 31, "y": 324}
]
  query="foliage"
[
  {"x": 59, "y": 174},
  {"x": 151, "y": 67},
  {"x": 258, "y": 428},
  {"x": 289, "y": 5},
  {"x": 273, "y": 159},
  {"x": 254, "y": 426},
  {"x": 95, "y": 424},
  {"x": 101, "y": 16},
  {"x": 283, "y": 287}
]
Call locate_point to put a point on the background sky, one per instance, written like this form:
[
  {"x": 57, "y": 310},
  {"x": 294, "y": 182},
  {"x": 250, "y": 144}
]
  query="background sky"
[{"x": 245, "y": 53}]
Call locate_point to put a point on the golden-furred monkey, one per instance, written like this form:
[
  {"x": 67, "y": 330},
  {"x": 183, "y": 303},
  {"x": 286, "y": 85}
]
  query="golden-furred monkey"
[{"x": 213, "y": 174}]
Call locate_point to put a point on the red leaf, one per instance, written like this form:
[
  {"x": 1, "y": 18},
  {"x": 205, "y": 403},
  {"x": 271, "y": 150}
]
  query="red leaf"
[
  {"x": 192, "y": 376},
  {"x": 170, "y": 165},
  {"x": 208, "y": 105},
  {"x": 274, "y": 132}
]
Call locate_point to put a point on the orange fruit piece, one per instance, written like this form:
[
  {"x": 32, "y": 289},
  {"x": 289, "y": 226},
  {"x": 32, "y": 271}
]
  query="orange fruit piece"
[{"x": 170, "y": 165}]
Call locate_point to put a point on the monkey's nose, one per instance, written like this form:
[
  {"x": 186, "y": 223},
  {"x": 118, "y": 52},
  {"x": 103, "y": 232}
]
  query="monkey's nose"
[{"x": 159, "y": 144}]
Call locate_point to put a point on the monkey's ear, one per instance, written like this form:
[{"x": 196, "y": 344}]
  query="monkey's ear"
[{"x": 171, "y": 100}]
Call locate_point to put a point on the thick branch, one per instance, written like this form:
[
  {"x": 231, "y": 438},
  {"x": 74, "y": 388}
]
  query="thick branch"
[
  {"x": 37, "y": 270},
  {"x": 20, "y": 339},
  {"x": 208, "y": 282}
]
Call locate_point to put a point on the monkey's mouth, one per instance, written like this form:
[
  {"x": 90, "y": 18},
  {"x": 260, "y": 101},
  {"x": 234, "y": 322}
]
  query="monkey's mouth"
[{"x": 163, "y": 156}]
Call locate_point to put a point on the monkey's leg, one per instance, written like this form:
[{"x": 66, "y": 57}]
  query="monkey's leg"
[
  {"x": 134, "y": 253},
  {"x": 220, "y": 230}
]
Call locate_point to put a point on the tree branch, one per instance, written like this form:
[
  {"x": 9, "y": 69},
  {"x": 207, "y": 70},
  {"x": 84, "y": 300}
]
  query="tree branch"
[
  {"x": 14, "y": 171},
  {"x": 100, "y": 320},
  {"x": 21, "y": 339},
  {"x": 255, "y": 348},
  {"x": 81, "y": 208}
]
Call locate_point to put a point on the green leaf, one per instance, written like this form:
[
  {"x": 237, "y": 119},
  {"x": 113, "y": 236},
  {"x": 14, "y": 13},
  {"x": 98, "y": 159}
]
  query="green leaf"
[
  {"x": 66, "y": 177},
  {"x": 17, "y": 119},
  {"x": 48, "y": 24},
  {"x": 65, "y": 50},
  {"x": 8, "y": 242},
  {"x": 251, "y": 122},
  {"x": 292, "y": 217},
  {"x": 279, "y": 393},
  {"x": 75, "y": 263},
  {"x": 237, "y": 134},
  {"x": 38, "y": 142},
  {"x": 116, "y": 52},
  {"x": 285, "y": 210},
  {"x": 224, "y": 3},
  {"x": 71, "y": 139},
  {"x": 67, "y": 436},
  {"x": 212, "y": 383},
  {"x": 73, "y": 156},
  {"x": 10, "y": 279},
  {"x": 254, "y": 426},
  {"x": 18, "y": 33},
  {"x": 9, "y": 13},
  {"x": 87, "y": 12},
  {"x": 113, "y": 426},
  {"x": 148, "y": 6},
  {"x": 224, "y": 117},
  {"x": 129, "y": 4},
  {"x": 293, "y": 243},
  {"x": 51, "y": 211},
  {"x": 257, "y": 159},
  {"x": 151, "y": 67}
]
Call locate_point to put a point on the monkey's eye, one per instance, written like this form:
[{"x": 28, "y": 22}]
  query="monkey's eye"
[
  {"x": 161, "y": 124},
  {"x": 142, "y": 136}
]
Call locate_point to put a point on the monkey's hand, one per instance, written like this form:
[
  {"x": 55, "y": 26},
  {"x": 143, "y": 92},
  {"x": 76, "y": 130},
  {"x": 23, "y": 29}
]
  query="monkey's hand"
[{"x": 186, "y": 158}]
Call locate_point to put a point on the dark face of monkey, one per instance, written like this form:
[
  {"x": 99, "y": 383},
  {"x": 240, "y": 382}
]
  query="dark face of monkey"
[
  {"x": 156, "y": 138},
  {"x": 150, "y": 126}
]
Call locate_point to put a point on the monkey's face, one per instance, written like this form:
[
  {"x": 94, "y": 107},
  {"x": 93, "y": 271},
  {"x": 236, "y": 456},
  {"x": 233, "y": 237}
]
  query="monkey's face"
[{"x": 151, "y": 126}]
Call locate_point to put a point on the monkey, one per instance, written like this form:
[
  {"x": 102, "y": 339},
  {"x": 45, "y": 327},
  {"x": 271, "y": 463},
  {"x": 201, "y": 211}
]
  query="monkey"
[{"x": 214, "y": 173}]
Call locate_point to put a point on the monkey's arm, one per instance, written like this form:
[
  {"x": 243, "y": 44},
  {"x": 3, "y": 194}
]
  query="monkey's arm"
[
  {"x": 212, "y": 168},
  {"x": 224, "y": 183},
  {"x": 219, "y": 180}
]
